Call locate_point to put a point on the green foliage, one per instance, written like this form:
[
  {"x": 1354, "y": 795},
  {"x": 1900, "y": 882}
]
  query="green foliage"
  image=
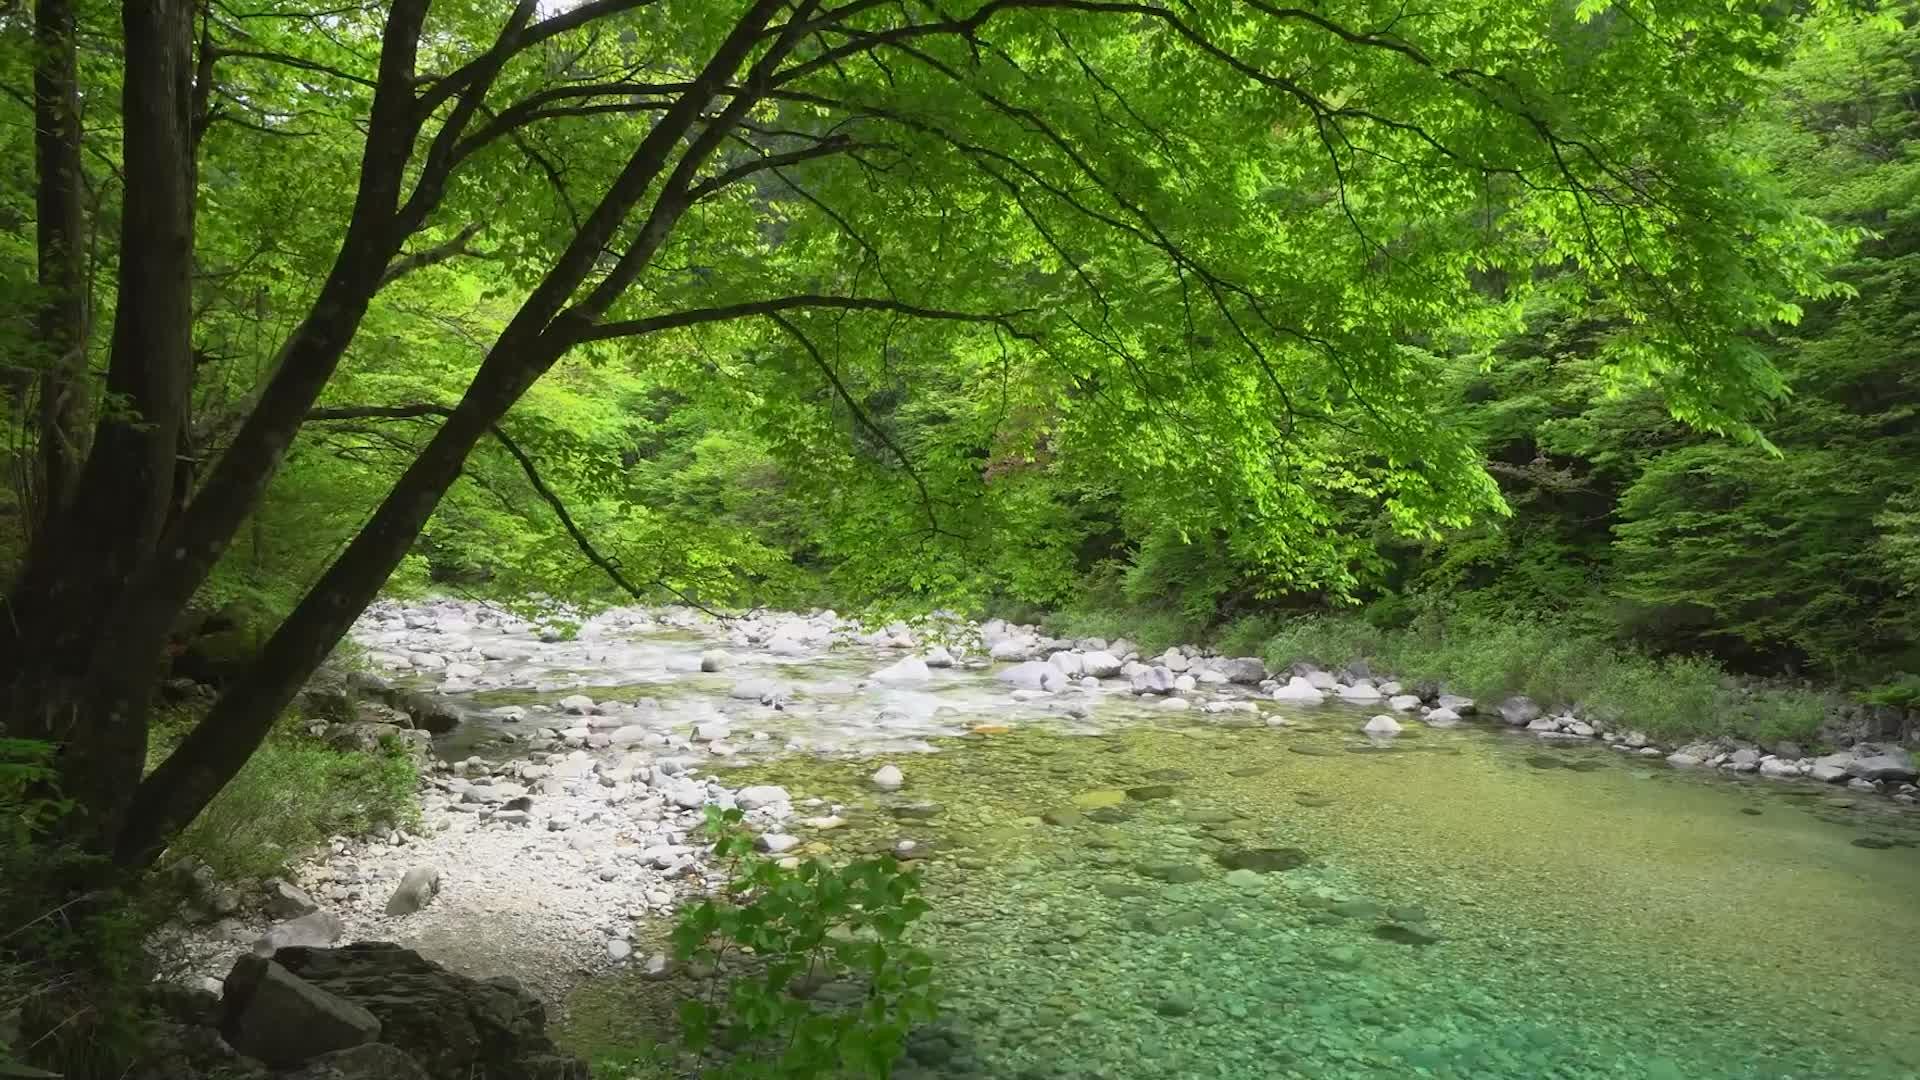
[
  {"x": 1903, "y": 692},
  {"x": 779, "y": 934},
  {"x": 1492, "y": 658},
  {"x": 293, "y": 794}
]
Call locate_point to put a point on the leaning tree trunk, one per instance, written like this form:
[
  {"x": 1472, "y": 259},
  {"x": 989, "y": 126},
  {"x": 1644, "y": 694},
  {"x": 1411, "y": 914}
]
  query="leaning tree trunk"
[
  {"x": 61, "y": 326},
  {"x": 539, "y": 334},
  {"x": 86, "y": 553}
]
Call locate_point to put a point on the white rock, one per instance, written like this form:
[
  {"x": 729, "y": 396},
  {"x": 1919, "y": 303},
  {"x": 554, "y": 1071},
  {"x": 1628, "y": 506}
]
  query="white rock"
[
  {"x": 905, "y": 671},
  {"x": 888, "y": 778},
  {"x": 1360, "y": 691},
  {"x": 1442, "y": 718},
  {"x": 577, "y": 705},
  {"x": 1298, "y": 689},
  {"x": 753, "y": 798},
  {"x": 776, "y": 843},
  {"x": 1382, "y": 725},
  {"x": 939, "y": 657},
  {"x": 1186, "y": 683},
  {"x": 618, "y": 950},
  {"x": 1101, "y": 664},
  {"x": 1403, "y": 702},
  {"x": 715, "y": 659}
]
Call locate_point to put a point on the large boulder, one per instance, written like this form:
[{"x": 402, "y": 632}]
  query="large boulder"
[
  {"x": 282, "y": 1019},
  {"x": 1243, "y": 669},
  {"x": 1101, "y": 664},
  {"x": 1033, "y": 675},
  {"x": 1012, "y": 649},
  {"x": 1519, "y": 711},
  {"x": 455, "y": 1027},
  {"x": 1298, "y": 689},
  {"x": 1881, "y": 763},
  {"x": 1154, "y": 680}
]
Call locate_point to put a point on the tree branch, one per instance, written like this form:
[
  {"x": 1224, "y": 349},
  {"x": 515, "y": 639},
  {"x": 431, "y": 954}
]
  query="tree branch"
[
  {"x": 433, "y": 256},
  {"x": 696, "y": 316},
  {"x": 605, "y": 564}
]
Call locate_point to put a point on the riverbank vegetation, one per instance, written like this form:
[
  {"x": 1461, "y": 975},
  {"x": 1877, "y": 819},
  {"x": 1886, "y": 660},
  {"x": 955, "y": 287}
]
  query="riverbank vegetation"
[{"x": 1567, "y": 352}]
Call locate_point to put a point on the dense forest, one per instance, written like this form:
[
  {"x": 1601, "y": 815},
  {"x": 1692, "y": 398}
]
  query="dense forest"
[{"x": 1504, "y": 333}]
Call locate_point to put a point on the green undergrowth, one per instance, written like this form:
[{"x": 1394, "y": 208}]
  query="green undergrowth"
[
  {"x": 1492, "y": 658},
  {"x": 294, "y": 793}
]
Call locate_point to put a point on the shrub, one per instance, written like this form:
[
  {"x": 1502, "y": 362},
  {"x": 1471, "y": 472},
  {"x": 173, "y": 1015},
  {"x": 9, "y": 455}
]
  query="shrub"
[{"x": 777, "y": 935}]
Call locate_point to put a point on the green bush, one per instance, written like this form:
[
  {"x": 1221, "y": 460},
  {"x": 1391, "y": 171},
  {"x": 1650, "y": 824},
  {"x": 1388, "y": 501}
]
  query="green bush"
[
  {"x": 778, "y": 936},
  {"x": 292, "y": 795}
]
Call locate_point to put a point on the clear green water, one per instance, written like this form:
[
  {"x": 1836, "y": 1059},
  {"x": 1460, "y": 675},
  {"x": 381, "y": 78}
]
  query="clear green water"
[{"x": 1470, "y": 907}]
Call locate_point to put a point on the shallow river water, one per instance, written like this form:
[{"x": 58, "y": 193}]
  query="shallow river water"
[{"x": 1466, "y": 903}]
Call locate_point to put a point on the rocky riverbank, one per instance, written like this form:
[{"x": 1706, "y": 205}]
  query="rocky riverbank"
[{"x": 567, "y": 773}]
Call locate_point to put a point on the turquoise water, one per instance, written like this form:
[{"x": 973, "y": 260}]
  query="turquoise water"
[{"x": 1465, "y": 904}]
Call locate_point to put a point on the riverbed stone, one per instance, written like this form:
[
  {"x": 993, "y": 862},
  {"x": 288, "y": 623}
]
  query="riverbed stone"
[
  {"x": 1882, "y": 763},
  {"x": 762, "y": 795},
  {"x": 715, "y": 659},
  {"x": 1245, "y": 670},
  {"x": 888, "y": 778},
  {"x": 1298, "y": 689},
  {"x": 314, "y": 928},
  {"x": 907, "y": 671},
  {"x": 1403, "y": 702},
  {"x": 1154, "y": 680},
  {"x": 417, "y": 888},
  {"x": 1442, "y": 718},
  {"x": 1382, "y": 725}
]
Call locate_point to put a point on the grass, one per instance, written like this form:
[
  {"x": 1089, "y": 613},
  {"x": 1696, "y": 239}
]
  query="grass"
[
  {"x": 1669, "y": 698},
  {"x": 292, "y": 795}
]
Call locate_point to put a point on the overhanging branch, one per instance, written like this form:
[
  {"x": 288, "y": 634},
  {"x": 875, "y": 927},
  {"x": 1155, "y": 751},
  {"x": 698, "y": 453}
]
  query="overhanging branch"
[
  {"x": 773, "y": 307},
  {"x": 606, "y": 565}
]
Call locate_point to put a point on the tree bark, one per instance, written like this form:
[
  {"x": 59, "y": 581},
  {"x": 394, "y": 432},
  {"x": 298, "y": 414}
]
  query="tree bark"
[
  {"x": 61, "y": 325},
  {"x": 86, "y": 553},
  {"x": 537, "y": 336}
]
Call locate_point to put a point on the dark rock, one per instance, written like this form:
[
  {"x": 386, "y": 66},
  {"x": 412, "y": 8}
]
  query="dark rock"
[
  {"x": 1355, "y": 909},
  {"x": 1175, "y": 1003},
  {"x": 1169, "y": 775},
  {"x": 1148, "y": 792},
  {"x": 1262, "y": 860},
  {"x": 1250, "y": 770},
  {"x": 1306, "y": 799},
  {"x": 1064, "y": 818},
  {"x": 374, "y": 1061},
  {"x": 1109, "y": 815},
  {"x": 919, "y": 811},
  {"x": 455, "y": 1027},
  {"x": 1875, "y": 843},
  {"x": 1311, "y": 751},
  {"x": 1545, "y": 761},
  {"x": 282, "y": 1019}
]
